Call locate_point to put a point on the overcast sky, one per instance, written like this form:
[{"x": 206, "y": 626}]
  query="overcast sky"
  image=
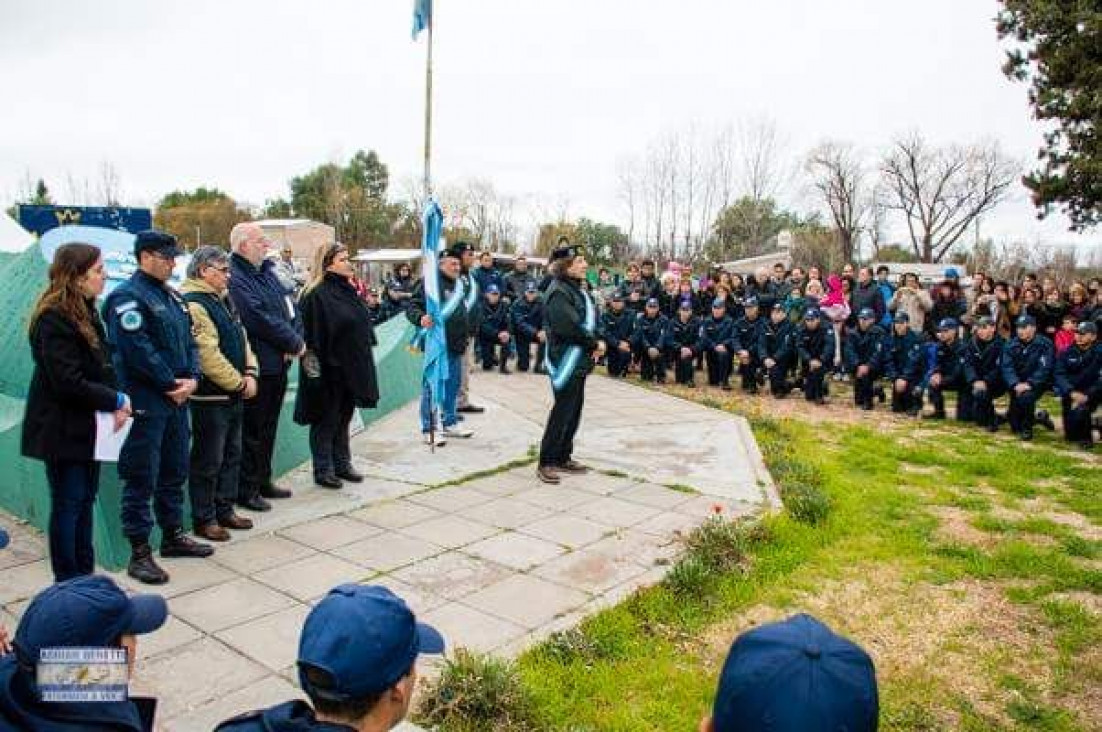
[{"x": 540, "y": 96}]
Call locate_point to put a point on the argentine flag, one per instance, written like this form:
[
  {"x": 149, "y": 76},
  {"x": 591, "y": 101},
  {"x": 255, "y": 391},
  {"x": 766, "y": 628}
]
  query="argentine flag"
[{"x": 422, "y": 16}]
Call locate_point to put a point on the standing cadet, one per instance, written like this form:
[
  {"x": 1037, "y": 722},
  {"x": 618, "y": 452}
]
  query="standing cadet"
[
  {"x": 682, "y": 343},
  {"x": 1079, "y": 384},
  {"x": 1027, "y": 371},
  {"x": 985, "y": 350},
  {"x": 864, "y": 347},
  {"x": 650, "y": 328},
  {"x": 617, "y": 332},
  {"x": 952, "y": 371},
  {"x": 903, "y": 365},
  {"x": 776, "y": 350},
  {"x": 717, "y": 340},
  {"x": 465, "y": 252},
  {"x": 493, "y": 331},
  {"x": 747, "y": 331},
  {"x": 815, "y": 347},
  {"x": 572, "y": 346},
  {"x": 526, "y": 317},
  {"x": 157, "y": 363}
]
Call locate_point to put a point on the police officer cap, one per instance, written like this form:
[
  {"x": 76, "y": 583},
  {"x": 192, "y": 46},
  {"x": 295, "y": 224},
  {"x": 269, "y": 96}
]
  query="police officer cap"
[
  {"x": 947, "y": 324},
  {"x": 373, "y": 291},
  {"x": 751, "y": 301},
  {"x": 459, "y": 248},
  {"x": 652, "y": 302},
  {"x": 952, "y": 274},
  {"x": 866, "y": 314},
  {"x": 1084, "y": 328},
  {"x": 616, "y": 296},
  {"x": 1025, "y": 321},
  {"x": 85, "y": 612},
  {"x": 493, "y": 290},
  {"x": 984, "y": 320},
  {"x": 901, "y": 318},
  {"x": 531, "y": 287},
  {"x": 686, "y": 304},
  {"x": 812, "y": 314},
  {"x": 568, "y": 252},
  {"x": 778, "y": 306},
  {"x": 364, "y": 639},
  {"x": 719, "y": 302},
  {"x": 158, "y": 242}
]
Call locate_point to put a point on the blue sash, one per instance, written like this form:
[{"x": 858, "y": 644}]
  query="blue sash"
[
  {"x": 561, "y": 374},
  {"x": 417, "y": 342},
  {"x": 472, "y": 296}
]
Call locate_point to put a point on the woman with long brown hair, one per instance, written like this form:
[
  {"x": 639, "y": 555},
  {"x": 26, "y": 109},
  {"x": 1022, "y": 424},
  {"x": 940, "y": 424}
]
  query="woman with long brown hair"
[{"x": 73, "y": 379}]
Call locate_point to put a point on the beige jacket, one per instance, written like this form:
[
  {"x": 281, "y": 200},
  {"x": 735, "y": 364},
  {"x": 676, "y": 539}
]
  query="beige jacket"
[{"x": 212, "y": 363}]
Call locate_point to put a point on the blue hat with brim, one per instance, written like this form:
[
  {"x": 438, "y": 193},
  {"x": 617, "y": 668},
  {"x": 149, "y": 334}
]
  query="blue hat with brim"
[
  {"x": 1025, "y": 321},
  {"x": 652, "y": 302},
  {"x": 947, "y": 324},
  {"x": 796, "y": 675},
  {"x": 866, "y": 314},
  {"x": 157, "y": 242},
  {"x": 812, "y": 314},
  {"x": 1085, "y": 328},
  {"x": 719, "y": 302},
  {"x": 901, "y": 318},
  {"x": 750, "y": 302},
  {"x": 531, "y": 287},
  {"x": 952, "y": 274},
  {"x": 686, "y": 304},
  {"x": 5, "y": 539},
  {"x": 493, "y": 290},
  {"x": 364, "y": 639}
]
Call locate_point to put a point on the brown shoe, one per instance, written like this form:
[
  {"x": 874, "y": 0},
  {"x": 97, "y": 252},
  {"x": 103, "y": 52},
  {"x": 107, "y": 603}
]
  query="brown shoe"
[
  {"x": 573, "y": 466},
  {"x": 212, "y": 532},
  {"x": 233, "y": 521},
  {"x": 547, "y": 474}
]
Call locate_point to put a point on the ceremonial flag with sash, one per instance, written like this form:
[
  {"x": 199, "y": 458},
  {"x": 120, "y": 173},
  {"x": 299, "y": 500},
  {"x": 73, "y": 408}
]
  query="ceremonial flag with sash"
[
  {"x": 434, "y": 345},
  {"x": 422, "y": 16}
]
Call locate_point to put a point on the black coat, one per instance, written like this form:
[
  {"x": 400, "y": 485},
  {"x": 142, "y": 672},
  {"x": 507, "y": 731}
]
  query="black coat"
[
  {"x": 339, "y": 332},
  {"x": 71, "y": 381}
]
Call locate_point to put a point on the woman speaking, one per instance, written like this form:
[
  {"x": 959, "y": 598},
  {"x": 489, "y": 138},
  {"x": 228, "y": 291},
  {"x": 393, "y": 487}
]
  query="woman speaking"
[
  {"x": 572, "y": 345},
  {"x": 73, "y": 379},
  {"x": 337, "y": 374}
]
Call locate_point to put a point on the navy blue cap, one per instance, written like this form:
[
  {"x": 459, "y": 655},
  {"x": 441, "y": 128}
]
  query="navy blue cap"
[
  {"x": 1024, "y": 320},
  {"x": 796, "y": 675},
  {"x": 750, "y": 302},
  {"x": 493, "y": 290},
  {"x": 686, "y": 304},
  {"x": 568, "y": 252},
  {"x": 719, "y": 302},
  {"x": 156, "y": 241},
  {"x": 4, "y": 539},
  {"x": 85, "y": 612},
  {"x": 616, "y": 296},
  {"x": 652, "y": 302},
  {"x": 901, "y": 317},
  {"x": 365, "y": 639},
  {"x": 948, "y": 324},
  {"x": 531, "y": 287},
  {"x": 866, "y": 314},
  {"x": 458, "y": 249},
  {"x": 812, "y": 314},
  {"x": 984, "y": 320},
  {"x": 1084, "y": 328}
]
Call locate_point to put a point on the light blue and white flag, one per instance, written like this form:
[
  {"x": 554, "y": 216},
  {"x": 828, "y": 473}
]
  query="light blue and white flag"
[
  {"x": 422, "y": 16},
  {"x": 434, "y": 343}
]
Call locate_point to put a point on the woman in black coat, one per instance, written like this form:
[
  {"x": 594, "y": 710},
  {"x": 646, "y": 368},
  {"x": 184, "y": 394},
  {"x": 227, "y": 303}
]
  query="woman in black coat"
[
  {"x": 73, "y": 379},
  {"x": 339, "y": 337}
]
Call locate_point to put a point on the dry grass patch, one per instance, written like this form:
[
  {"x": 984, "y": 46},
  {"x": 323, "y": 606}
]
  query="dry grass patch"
[{"x": 956, "y": 527}]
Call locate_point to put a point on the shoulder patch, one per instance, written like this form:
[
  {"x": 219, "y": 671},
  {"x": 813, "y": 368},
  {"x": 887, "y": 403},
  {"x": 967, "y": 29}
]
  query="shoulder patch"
[
  {"x": 130, "y": 321},
  {"x": 128, "y": 305}
]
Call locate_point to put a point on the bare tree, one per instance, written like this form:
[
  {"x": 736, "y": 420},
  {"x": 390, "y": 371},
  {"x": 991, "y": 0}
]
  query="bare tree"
[
  {"x": 763, "y": 167},
  {"x": 941, "y": 191},
  {"x": 108, "y": 185},
  {"x": 627, "y": 178},
  {"x": 838, "y": 174}
]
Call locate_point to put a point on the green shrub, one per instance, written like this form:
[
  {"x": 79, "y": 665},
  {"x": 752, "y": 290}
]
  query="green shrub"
[
  {"x": 690, "y": 577},
  {"x": 806, "y": 503},
  {"x": 477, "y": 692}
]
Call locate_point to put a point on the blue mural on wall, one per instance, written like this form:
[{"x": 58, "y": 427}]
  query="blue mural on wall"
[{"x": 40, "y": 219}]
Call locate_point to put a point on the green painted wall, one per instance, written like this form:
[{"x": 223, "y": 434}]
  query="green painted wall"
[{"x": 23, "y": 488}]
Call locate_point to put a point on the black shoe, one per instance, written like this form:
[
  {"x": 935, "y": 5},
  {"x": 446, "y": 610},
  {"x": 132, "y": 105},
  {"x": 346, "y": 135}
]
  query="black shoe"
[
  {"x": 1045, "y": 420},
  {"x": 255, "y": 503},
  {"x": 725, "y": 387},
  {"x": 938, "y": 415},
  {"x": 690, "y": 384},
  {"x": 471, "y": 409},
  {"x": 178, "y": 544},
  {"x": 143, "y": 568},
  {"x": 504, "y": 370},
  {"x": 992, "y": 428},
  {"x": 270, "y": 491},
  {"x": 328, "y": 481},
  {"x": 1087, "y": 445},
  {"x": 350, "y": 475},
  {"x": 880, "y": 395},
  {"x": 1026, "y": 435},
  {"x": 487, "y": 367}
]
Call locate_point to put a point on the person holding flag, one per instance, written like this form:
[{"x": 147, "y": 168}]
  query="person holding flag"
[{"x": 572, "y": 347}]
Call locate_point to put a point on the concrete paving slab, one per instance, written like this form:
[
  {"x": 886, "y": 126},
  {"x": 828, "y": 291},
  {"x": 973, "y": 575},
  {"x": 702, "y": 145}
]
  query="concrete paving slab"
[
  {"x": 451, "y": 531},
  {"x": 506, "y": 513},
  {"x": 452, "y": 575},
  {"x": 271, "y": 640},
  {"x": 173, "y": 634},
  {"x": 395, "y": 514},
  {"x": 24, "y": 581},
  {"x": 388, "y": 551},
  {"x": 465, "y": 627},
  {"x": 515, "y": 550},
  {"x": 228, "y": 604},
  {"x": 526, "y": 601},
  {"x": 572, "y": 532},
  {"x": 330, "y": 532},
  {"x": 312, "y": 577},
  {"x": 258, "y": 553},
  {"x": 593, "y": 569},
  {"x": 186, "y": 575},
  {"x": 266, "y": 692},
  {"x": 450, "y": 500}
]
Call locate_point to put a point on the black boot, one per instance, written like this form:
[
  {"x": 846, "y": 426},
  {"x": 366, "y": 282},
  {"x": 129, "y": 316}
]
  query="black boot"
[
  {"x": 142, "y": 567},
  {"x": 176, "y": 543},
  {"x": 1044, "y": 419}
]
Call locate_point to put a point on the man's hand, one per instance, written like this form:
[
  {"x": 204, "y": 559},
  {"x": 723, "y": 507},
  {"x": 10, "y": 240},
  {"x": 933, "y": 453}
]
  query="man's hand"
[
  {"x": 814, "y": 364},
  {"x": 301, "y": 351},
  {"x": 720, "y": 348},
  {"x": 5, "y": 641},
  {"x": 1022, "y": 387},
  {"x": 601, "y": 348},
  {"x": 979, "y": 386},
  {"x": 184, "y": 389},
  {"x": 426, "y": 321},
  {"x": 935, "y": 381},
  {"x": 900, "y": 386},
  {"x": 686, "y": 352},
  {"x": 1078, "y": 398},
  {"x": 503, "y": 336},
  {"x": 769, "y": 363},
  {"x": 121, "y": 415},
  {"x": 744, "y": 357},
  {"x": 624, "y": 347},
  {"x": 863, "y": 370},
  {"x": 250, "y": 387},
  {"x": 541, "y": 336},
  {"x": 652, "y": 352}
]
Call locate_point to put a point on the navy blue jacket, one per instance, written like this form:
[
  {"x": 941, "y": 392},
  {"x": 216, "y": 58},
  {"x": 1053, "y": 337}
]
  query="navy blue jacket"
[
  {"x": 1079, "y": 370},
  {"x": 747, "y": 333},
  {"x": 494, "y": 320},
  {"x": 683, "y": 335},
  {"x": 270, "y": 316},
  {"x": 903, "y": 357},
  {"x": 864, "y": 348},
  {"x": 717, "y": 332},
  {"x": 149, "y": 330},
  {"x": 951, "y": 361},
  {"x": 1030, "y": 362},
  {"x": 815, "y": 344},
  {"x": 777, "y": 341},
  {"x": 649, "y": 332},
  {"x": 292, "y": 716},
  {"x": 526, "y": 318},
  {"x": 984, "y": 360},
  {"x": 486, "y": 277},
  {"x": 617, "y": 326}
]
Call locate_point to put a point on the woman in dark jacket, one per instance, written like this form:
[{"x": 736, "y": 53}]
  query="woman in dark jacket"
[
  {"x": 73, "y": 379},
  {"x": 339, "y": 337}
]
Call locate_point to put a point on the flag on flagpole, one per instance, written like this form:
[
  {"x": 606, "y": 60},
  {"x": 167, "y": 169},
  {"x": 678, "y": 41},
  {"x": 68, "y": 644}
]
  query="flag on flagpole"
[
  {"x": 435, "y": 345},
  {"x": 422, "y": 16}
]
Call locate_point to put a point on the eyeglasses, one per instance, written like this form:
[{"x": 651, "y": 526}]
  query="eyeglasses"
[{"x": 223, "y": 269}]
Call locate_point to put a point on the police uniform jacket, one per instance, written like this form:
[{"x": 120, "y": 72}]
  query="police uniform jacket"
[
  {"x": 681, "y": 334},
  {"x": 269, "y": 315},
  {"x": 650, "y": 332},
  {"x": 381, "y": 313},
  {"x": 951, "y": 361},
  {"x": 984, "y": 359},
  {"x": 864, "y": 347},
  {"x": 565, "y": 310},
  {"x": 292, "y": 716},
  {"x": 455, "y": 327},
  {"x": 486, "y": 277},
  {"x": 777, "y": 341},
  {"x": 903, "y": 357},
  {"x": 72, "y": 380},
  {"x": 526, "y": 318},
  {"x": 747, "y": 333},
  {"x": 715, "y": 332},
  {"x": 1029, "y": 362},
  {"x": 815, "y": 344},
  {"x": 149, "y": 329},
  {"x": 516, "y": 283},
  {"x": 617, "y": 326},
  {"x": 494, "y": 320},
  {"x": 1080, "y": 370},
  {"x": 401, "y": 285}
]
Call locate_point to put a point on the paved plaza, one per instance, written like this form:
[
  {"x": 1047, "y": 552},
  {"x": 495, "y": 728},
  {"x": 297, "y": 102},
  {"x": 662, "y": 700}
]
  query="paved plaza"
[{"x": 467, "y": 535}]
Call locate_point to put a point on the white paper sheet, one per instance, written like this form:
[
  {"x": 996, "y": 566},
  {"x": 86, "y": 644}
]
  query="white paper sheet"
[{"x": 108, "y": 441}]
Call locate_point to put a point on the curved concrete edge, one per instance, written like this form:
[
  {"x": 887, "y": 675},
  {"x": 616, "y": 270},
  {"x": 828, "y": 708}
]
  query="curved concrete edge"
[{"x": 770, "y": 497}]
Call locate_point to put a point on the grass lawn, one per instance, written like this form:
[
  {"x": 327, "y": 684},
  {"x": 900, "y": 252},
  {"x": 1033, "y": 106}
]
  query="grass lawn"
[{"x": 968, "y": 565}]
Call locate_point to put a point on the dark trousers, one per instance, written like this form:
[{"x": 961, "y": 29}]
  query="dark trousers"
[
  {"x": 260, "y": 422},
  {"x": 329, "y": 440},
  {"x": 965, "y": 411},
  {"x": 652, "y": 368},
  {"x": 524, "y": 353},
  {"x": 1077, "y": 420},
  {"x": 719, "y": 367},
  {"x": 492, "y": 353},
  {"x": 749, "y": 373},
  {"x": 906, "y": 400},
  {"x": 813, "y": 383},
  {"x": 983, "y": 404},
  {"x": 684, "y": 368},
  {"x": 153, "y": 465},
  {"x": 73, "y": 487},
  {"x": 618, "y": 361},
  {"x": 215, "y": 459},
  {"x": 566, "y": 414},
  {"x": 1023, "y": 410},
  {"x": 778, "y": 379},
  {"x": 863, "y": 388}
]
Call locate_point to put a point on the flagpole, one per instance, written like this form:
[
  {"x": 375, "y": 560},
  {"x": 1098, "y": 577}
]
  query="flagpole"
[{"x": 428, "y": 109}]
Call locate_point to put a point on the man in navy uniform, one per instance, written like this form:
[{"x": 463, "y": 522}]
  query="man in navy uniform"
[
  {"x": 650, "y": 328},
  {"x": 1027, "y": 371},
  {"x": 717, "y": 340},
  {"x": 864, "y": 347},
  {"x": 493, "y": 331},
  {"x": 984, "y": 350},
  {"x": 157, "y": 361},
  {"x": 747, "y": 332},
  {"x": 618, "y": 332},
  {"x": 815, "y": 347},
  {"x": 378, "y": 310},
  {"x": 1079, "y": 384},
  {"x": 776, "y": 350},
  {"x": 951, "y": 372},
  {"x": 526, "y": 316},
  {"x": 682, "y": 343},
  {"x": 903, "y": 365}
]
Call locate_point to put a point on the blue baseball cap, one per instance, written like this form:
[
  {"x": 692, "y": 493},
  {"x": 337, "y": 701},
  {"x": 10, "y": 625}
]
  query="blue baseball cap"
[
  {"x": 1085, "y": 328},
  {"x": 85, "y": 612},
  {"x": 750, "y": 302},
  {"x": 1025, "y": 320},
  {"x": 365, "y": 638},
  {"x": 948, "y": 324},
  {"x": 493, "y": 290},
  {"x": 158, "y": 242},
  {"x": 796, "y": 675},
  {"x": 531, "y": 287},
  {"x": 719, "y": 302},
  {"x": 652, "y": 302},
  {"x": 812, "y": 314},
  {"x": 901, "y": 317},
  {"x": 686, "y": 304},
  {"x": 5, "y": 539},
  {"x": 952, "y": 273},
  {"x": 616, "y": 296},
  {"x": 866, "y": 314}
]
